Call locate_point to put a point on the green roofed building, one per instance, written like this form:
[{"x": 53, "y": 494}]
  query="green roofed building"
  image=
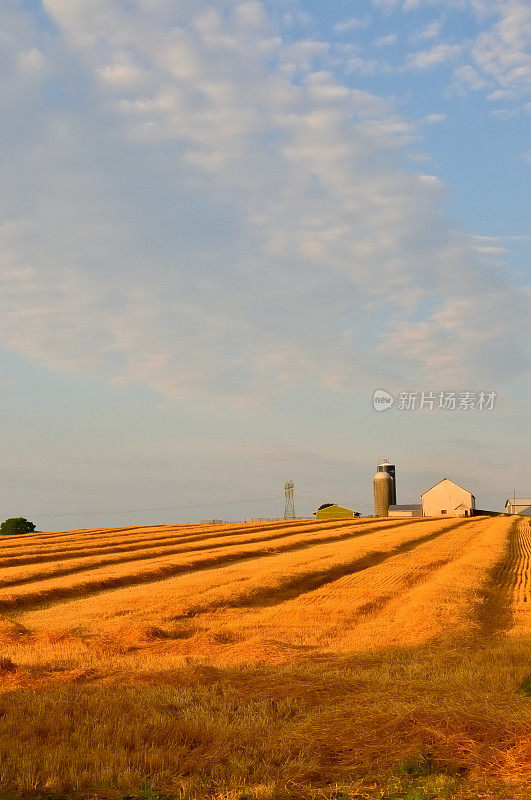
[{"x": 333, "y": 511}]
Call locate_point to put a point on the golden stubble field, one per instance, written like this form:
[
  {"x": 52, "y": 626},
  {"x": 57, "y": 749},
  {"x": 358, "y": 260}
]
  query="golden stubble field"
[{"x": 359, "y": 658}]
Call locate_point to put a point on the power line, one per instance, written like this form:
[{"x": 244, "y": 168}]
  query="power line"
[{"x": 164, "y": 508}]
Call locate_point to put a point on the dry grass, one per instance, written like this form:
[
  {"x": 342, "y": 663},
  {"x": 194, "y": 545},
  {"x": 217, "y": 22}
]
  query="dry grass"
[{"x": 374, "y": 658}]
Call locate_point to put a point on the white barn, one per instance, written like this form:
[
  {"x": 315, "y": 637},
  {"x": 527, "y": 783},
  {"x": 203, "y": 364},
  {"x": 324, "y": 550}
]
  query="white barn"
[
  {"x": 447, "y": 499},
  {"x": 518, "y": 505}
]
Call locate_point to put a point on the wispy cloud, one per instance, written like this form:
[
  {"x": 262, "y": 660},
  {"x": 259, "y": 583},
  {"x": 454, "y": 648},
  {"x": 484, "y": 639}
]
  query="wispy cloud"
[
  {"x": 503, "y": 53},
  {"x": 499, "y": 59},
  {"x": 431, "y": 31},
  {"x": 433, "y": 119},
  {"x": 439, "y": 54},
  {"x": 387, "y": 40},
  {"x": 352, "y": 24},
  {"x": 206, "y": 209}
]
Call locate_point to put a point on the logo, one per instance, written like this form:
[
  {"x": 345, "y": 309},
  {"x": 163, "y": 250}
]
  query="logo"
[{"x": 382, "y": 400}]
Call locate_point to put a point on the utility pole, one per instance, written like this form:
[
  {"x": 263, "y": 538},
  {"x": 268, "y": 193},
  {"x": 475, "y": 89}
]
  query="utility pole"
[{"x": 289, "y": 495}]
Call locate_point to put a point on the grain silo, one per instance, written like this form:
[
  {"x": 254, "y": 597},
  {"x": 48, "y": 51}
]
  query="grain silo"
[
  {"x": 385, "y": 466},
  {"x": 383, "y": 493}
]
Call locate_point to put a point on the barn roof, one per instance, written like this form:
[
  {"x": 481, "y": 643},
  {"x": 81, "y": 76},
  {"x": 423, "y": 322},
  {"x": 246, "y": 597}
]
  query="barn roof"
[
  {"x": 451, "y": 481},
  {"x": 333, "y": 505},
  {"x": 336, "y": 506}
]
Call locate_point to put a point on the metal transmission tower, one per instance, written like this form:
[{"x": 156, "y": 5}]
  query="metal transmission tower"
[{"x": 289, "y": 494}]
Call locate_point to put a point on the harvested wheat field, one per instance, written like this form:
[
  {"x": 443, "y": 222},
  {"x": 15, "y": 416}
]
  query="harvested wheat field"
[{"x": 368, "y": 658}]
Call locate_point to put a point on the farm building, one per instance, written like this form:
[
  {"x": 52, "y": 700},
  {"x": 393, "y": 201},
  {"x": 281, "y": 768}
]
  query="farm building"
[
  {"x": 448, "y": 499},
  {"x": 410, "y": 510},
  {"x": 333, "y": 511},
  {"x": 518, "y": 505}
]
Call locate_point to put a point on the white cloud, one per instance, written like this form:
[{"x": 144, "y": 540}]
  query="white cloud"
[
  {"x": 501, "y": 54},
  {"x": 301, "y": 55},
  {"x": 210, "y": 212},
  {"x": 439, "y": 54},
  {"x": 123, "y": 72},
  {"x": 433, "y": 119},
  {"x": 31, "y": 61},
  {"x": 451, "y": 343},
  {"x": 470, "y": 77},
  {"x": 411, "y": 5},
  {"x": 430, "y": 180},
  {"x": 431, "y": 31},
  {"x": 251, "y": 14},
  {"x": 386, "y": 5},
  {"x": 352, "y": 24},
  {"x": 387, "y": 40}
]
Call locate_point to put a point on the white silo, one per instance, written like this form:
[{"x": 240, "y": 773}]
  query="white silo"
[
  {"x": 385, "y": 466},
  {"x": 383, "y": 493}
]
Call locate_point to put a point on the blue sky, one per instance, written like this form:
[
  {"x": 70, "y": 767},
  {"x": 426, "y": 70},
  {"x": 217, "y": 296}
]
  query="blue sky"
[{"x": 225, "y": 224}]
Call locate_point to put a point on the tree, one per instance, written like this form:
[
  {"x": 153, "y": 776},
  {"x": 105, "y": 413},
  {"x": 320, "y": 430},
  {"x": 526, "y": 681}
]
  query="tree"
[{"x": 15, "y": 526}]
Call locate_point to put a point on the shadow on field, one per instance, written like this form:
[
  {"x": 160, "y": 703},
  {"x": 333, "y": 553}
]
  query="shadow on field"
[
  {"x": 45, "y": 596},
  {"x": 445, "y": 723},
  {"x": 158, "y": 548},
  {"x": 316, "y": 579},
  {"x": 76, "y": 546}
]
